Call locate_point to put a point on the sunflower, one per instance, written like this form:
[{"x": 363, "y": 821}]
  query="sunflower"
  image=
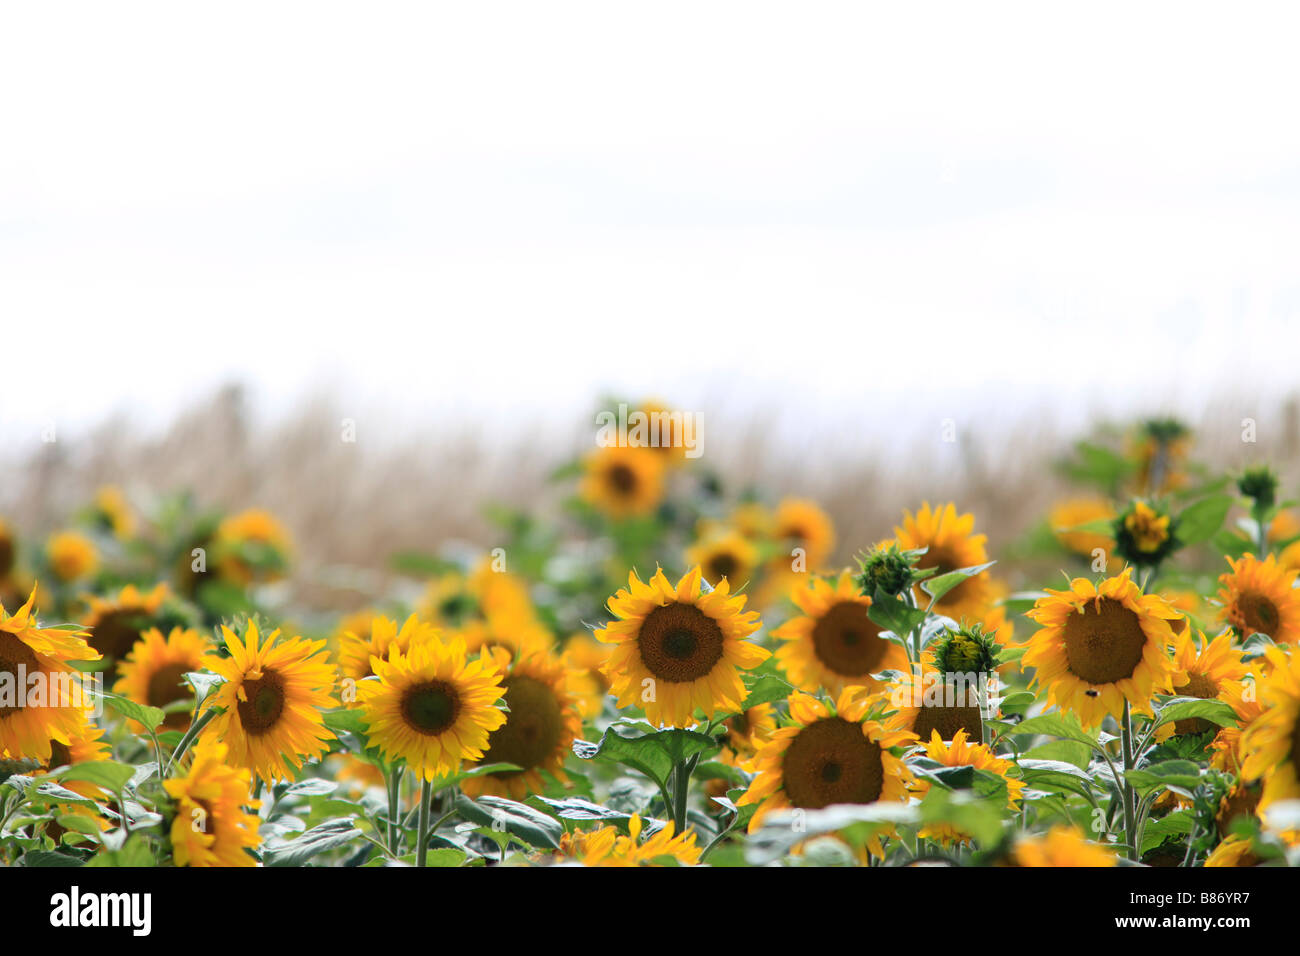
[
  {"x": 584, "y": 656},
  {"x": 1260, "y": 596},
  {"x": 1205, "y": 671},
  {"x": 27, "y": 728},
  {"x": 828, "y": 755},
  {"x": 730, "y": 556},
  {"x": 1059, "y": 846},
  {"x": 1145, "y": 534},
  {"x": 113, "y": 512},
  {"x": 1101, "y": 644},
  {"x": 623, "y": 481},
  {"x": 800, "y": 523},
  {"x": 432, "y": 707},
  {"x": 85, "y": 745},
  {"x": 607, "y": 847},
  {"x": 679, "y": 649},
  {"x": 359, "y": 775},
  {"x": 962, "y": 753},
  {"x": 1080, "y": 511},
  {"x": 355, "y": 650},
  {"x": 542, "y": 721},
  {"x": 447, "y": 600},
  {"x": 116, "y": 624},
  {"x": 747, "y": 733},
  {"x": 1270, "y": 746},
  {"x": 72, "y": 555},
  {"x": 152, "y": 674},
  {"x": 212, "y": 826},
  {"x": 833, "y": 643},
  {"x": 252, "y": 546},
  {"x": 950, "y": 546},
  {"x": 273, "y": 695},
  {"x": 1285, "y": 526},
  {"x": 500, "y": 594},
  {"x": 668, "y": 425},
  {"x": 1243, "y": 698},
  {"x": 1235, "y": 851},
  {"x": 926, "y": 703}
]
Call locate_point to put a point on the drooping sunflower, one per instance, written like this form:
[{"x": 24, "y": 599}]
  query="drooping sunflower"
[
  {"x": 1205, "y": 671},
  {"x": 950, "y": 545},
  {"x": 212, "y": 826},
  {"x": 273, "y": 697},
  {"x": 1059, "y": 846},
  {"x": 826, "y": 756},
  {"x": 116, "y": 624},
  {"x": 1270, "y": 746},
  {"x": 432, "y": 707},
  {"x": 153, "y": 672},
  {"x": 608, "y": 847},
  {"x": 623, "y": 481},
  {"x": 728, "y": 555},
  {"x": 963, "y": 753},
  {"x": 252, "y": 546},
  {"x": 542, "y": 721},
  {"x": 1260, "y": 596},
  {"x": 72, "y": 555},
  {"x": 27, "y": 651},
  {"x": 1074, "y": 513},
  {"x": 381, "y": 638},
  {"x": 833, "y": 643},
  {"x": 1101, "y": 644},
  {"x": 800, "y": 523},
  {"x": 679, "y": 649}
]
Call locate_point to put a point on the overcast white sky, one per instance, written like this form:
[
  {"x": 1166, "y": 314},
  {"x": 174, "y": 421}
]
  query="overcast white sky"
[{"x": 469, "y": 206}]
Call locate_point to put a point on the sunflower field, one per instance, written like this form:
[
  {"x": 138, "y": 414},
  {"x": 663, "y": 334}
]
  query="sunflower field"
[{"x": 665, "y": 673}]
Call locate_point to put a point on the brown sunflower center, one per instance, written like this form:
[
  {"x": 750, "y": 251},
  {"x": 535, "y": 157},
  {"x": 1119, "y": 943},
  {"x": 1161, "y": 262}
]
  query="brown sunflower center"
[
  {"x": 949, "y": 720},
  {"x": 260, "y": 711},
  {"x": 721, "y": 566},
  {"x": 116, "y": 633},
  {"x": 1104, "y": 642},
  {"x": 532, "y": 731},
  {"x": 847, "y": 641},
  {"x": 1198, "y": 685},
  {"x": 679, "y": 643},
  {"x": 165, "y": 687},
  {"x": 1240, "y": 801},
  {"x": 430, "y": 707},
  {"x": 1258, "y": 613},
  {"x": 832, "y": 761},
  {"x": 623, "y": 480},
  {"x": 14, "y": 654},
  {"x": 60, "y": 755}
]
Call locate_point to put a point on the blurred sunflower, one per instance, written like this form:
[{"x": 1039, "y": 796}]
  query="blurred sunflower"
[
  {"x": 623, "y": 481},
  {"x": 828, "y": 755},
  {"x": 447, "y": 600},
  {"x": 1145, "y": 533},
  {"x": 746, "y": 733},
  {"x": 1243, "y": 697},
  {"x": 1235, "y": 851},
  {"x": 113, "y": 512},
  {"x": 671, "y": 434},
  {"x": 212, "y": 826},
  {"x": 1270, "y": 746},
  {"x": 85, "y": 745},
  {"x": 542, "y": 721},
  {"x": 962, "y": 753},
  {"x": 584, "y": 656},
  {"x": 800, "y": 523},
  {"x": 72, "y": 555},
  {"x": 1260, "y": 596},
  {"x": 607, "y": 847},
  {"x": 273, "y": 697},
  {"x": 833, "y": 643},
  {"x": 432, "y": 707},
  {"x": 752, "y": 520},
  {"x": 1101, "y": 644},
  {"x": 1205, "y": 671},
  {"x": 926, "y": 703},
  {"x": 950, "y": 546},
  {"x": 252, "y": 546},
  {"x": 152, "y": 674},
  {"x": 500, "y": 594},
  {"x": 728, "y": 555},
  {"x": 8, "y": 550},
  {"x": 1284, "y": 526},
  {"x": 1059, "y": 846},
  {"x": 26, "y": 650},
  {"x": 1076, "y": 512},
  {"x": 380, "y": 638},
  {"x": 679, "y": 649},
  {"x": 116, "y": 624}
]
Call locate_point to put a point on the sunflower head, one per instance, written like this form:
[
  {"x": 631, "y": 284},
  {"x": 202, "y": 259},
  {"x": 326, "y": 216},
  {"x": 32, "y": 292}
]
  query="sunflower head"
[
  {"x": 887, "y": 570},
  {"x": 1145, "y": 534},
  {"x": 113, "y": 513},
  {"x": 727, "y": 555},
  {"x": 380, "y": 637},
  {"x": 252, "y": 546},
  {"x": 432, "y": 706},
  {"x": 966, "y": 650},
  {"x": 273, "y": 699},
  {"x": 153, "y": 672},
  {"x": 212, "y": 826},
  {"x": 1270, "y": 746},
  {"x": 1101, "y": 644},
  {"x": 623, "y": 481},
  {"x": 1205, "y": 670},
  {"x": 679, "y": 648},
  {"x": 801, "y": 523},
  {"x": 1260, "y": 597},
  {"x": 960, "y": 752},
  {"x": 72, "y": 555},
  {"x": 949, "y": 545},
  {"x": 1059, "y": 846},
  {"x": 116, "y": 623},
  {"x": 608, "y": 847}
]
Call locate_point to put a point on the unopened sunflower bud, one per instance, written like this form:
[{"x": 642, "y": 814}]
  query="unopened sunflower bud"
[{"x": 1260, "y": 484}]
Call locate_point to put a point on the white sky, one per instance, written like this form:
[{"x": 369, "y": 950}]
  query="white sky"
[{"x": 473, "y": 206}]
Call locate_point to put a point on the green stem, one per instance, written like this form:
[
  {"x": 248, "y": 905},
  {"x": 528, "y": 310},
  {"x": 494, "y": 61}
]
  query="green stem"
[
  {"x": 426, "y": 798},
  {"x": 190, "y": 736},
  {"x": 394, "y": 808},
  {"x": 1126, "y": 791},
  {"x": 681, "y": 784}
]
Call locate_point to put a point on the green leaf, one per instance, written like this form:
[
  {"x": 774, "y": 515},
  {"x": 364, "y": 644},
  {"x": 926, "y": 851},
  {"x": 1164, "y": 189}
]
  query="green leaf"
[
  {"x": 779, "y": 832},
  {"x": 1055, "y": 775},
  {"x": 346, "y": 720},
  {"x": 105, "y": 774},
  {"x": 1183, "y": 774},
  {"x": 1187, "y": 708},
  {"x": 766, "y": 689},
  {"x": 1063, "y": 726},
  {"x": 1070, "y": 751},
  {"x": 46, "y": 858},
  {"x": 1202, "y": 520},
  {"x": 896, "y": 616},
  {"x": 320, "y": 838},
  {"x": 576, "y": 808},
  {"x": 941, "y": 585},
  {"x": 151, "y": 717},
  {"x": 651, "y": 754},
  {"x": 518, "y": 819}
]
